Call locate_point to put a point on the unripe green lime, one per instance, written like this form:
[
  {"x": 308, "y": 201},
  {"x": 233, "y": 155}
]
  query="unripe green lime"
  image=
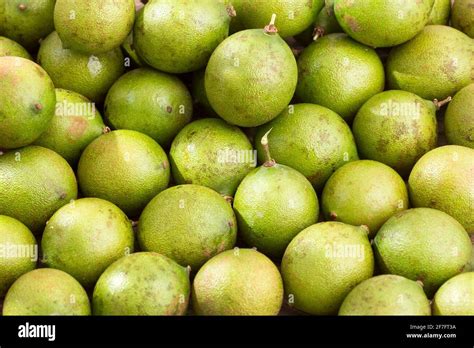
[
  {"x": 462, "y": 16},
  {"x": 11, "y": 48},
  {"x": 456, "y": 296},
  {"x": 440, "y": 12},
  {"x": 459, "y": 118}
]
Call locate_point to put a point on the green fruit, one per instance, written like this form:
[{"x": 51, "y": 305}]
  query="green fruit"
[
  {"x": 459, "y": 118},
  {"x": 75, "y": 125},
  {"x": 189, "y": 224},
  {"x": 142, "y": 284},
  {"x": 18, "y": 251},
  {"x": 251, "y": 77},
  {"x": 179, "y": 36},
  {"x": 212, "y": 153},
  {"x": 125, "y": 167},
  {"x": 311, "y": 139},
  {"x": 86, "y": 236},
  {"x": 382, "y": 23},
  {"x": 93, "y": 26},
  {"x": 154, "y": 103},
  {"x": 11, "y": 48},
  {"x": 422, "y": 244},
  {"x": 386, "y": 295},
  {"x": 46, "y": 291},
  {"x": 462, "y": 16},
  {"x": 434, "y": 65},
  {"x": 395, "y": 128},
  {"x": 340, "y": 74},
  {"x": 456, "y": 296},
  {"x": 440, "y": 12},
  {"x": 323, "y": 263},
  {"x": 131, "y": 52},
  {"x": 27, "y": 102},
  {"x": 442, "y": 179},
  {"x": 469, "y": 267},
  {"x": 91, "y": 76},
  {"x": 34, "y": 182},
  {"x": 199, "y": 95},
  {"x": 238, "y": 282},
  {"x": 327, "y": 21}
]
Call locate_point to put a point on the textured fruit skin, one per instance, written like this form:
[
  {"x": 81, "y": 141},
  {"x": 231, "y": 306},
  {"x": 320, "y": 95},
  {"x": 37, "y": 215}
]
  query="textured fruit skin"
[
  {"x": 311, "y": 139},
  {"x": 395, "y": 128},
  {"x": 93, "y": 26},
  {"x": 382, "y": 23},
  {"x": 317, "y": 274},
  {"x": 89, "y": 75},
  {"x": 459, "y": 118},
  {"x": 422, "y": 244},
  {"x": 11, "y": 48},
  {"x": 440, "y": 12},
  {"x": 14, "y": 233},
  {"x": 178, "y": 36},
  {"x": 251, "y": 77},
  {"x": 70, "y": 132},
  {"x": 456, "y": 296},
  {"x": 124, "y": 167},
  {"x": 189, "y": 224},
  {"x": 273, "y": 204},
  {"x": 364, "y": 193},
  {"x": 35, "y": 182},
  {"x": 198, "y": 155},
  {"x": 142, "y": 284},
  {"x": 84, "y": 237},
  {"x": 238, "y": 282},
  {"x": 437, "y": 63},
  {"x": 442, "y": 179},
  {"x": 46, "y": 291},
  {"x": 340, "y": 74},
  {"x": 151, "y": 102},
  {"x": 386, "y": 295},
  {"x": 27, "y": 102},
  {"x": 462, "y": 16}
]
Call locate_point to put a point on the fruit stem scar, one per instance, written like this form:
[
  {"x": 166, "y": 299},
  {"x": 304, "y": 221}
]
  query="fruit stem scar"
[
  {"x": 38, "y": 106},
  {"x": 318, "y": 32},
  {"x": 106, "y": 130},
  {"x": 231, "y": 11},
  {"x": 333, "y": 215},
  {"x": 270, "y": 162},
  {"x": 271, "y": 28},
  {"x": 22, "y": 7},
  {"x": 229, "y": 199},
  {"x": 440, "y": 103}
]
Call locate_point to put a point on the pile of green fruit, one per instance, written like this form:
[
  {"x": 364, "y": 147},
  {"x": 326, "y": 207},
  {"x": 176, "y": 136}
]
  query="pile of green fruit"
[{"x": 236, "y": 157}]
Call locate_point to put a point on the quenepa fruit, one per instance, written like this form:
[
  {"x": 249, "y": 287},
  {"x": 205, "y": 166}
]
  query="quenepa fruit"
[
  {"x": 459, "y": 118},
  {"x": 462, "y": 16},
  {"x": 11, "y": 48},
  {"x": 456, "y": 296}
]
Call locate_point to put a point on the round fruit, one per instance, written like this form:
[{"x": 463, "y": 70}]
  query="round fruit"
[
  {"x": 251, "y": 77},
  {"x": 199, "y": 95},
  {"x": 434, "y": 65},
  {"x": 212, "y": 153},
  {"x": 75, "y": 125},
  {"x": 323, "y": 263},
  {"x": 386, "y": 295},
  {"x": 179, "y": 36},
  {"x": 34, "y": 182},
  {"x": 382, "y": 23},
  {"x": 456, "y": 296},
  {"x": 422, "y": 244},
  {"x": 91, "y": 76},
  {"x": 154, "y": 103},
  {"x": 19, "y": 251},
  {"x": 311, "y": 139},
  {"x": 46, "y": 291},
  {"x": 11, "y": 48},
  {"x": 238, "y": 282},
  {"x": 27, "y": 102},
  {"x": 93, "y": 26},
  {"x": 129, "y": 49},
  {"x": 84, "y": 237},
  {"x": 442, "y": 179},
  {"x": 440, "y": 12},
  {"x": 395, "y": 128},
  {"x": 125, "y": 167},
  {"x": 189, "y": 224},
  {"x": 142, "y": 284},
  {"x": 459, "y": 118},
  {"x": 462, "y": 16}
]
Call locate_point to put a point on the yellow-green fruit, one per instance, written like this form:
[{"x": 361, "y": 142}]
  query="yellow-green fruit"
[
  {"x": 129, "y": 49},
  {"x": 46, "y": 291},
  {"x": 323, "y": 263},
  {"x": 238, "y": 282},
  {"x": 11, "y": 48},
  {"x": 34, "y": 182},
  {"x": 462, "y": 16},
  {"x": 27, "y": 102},
  {"x": 442, "y": 179},
  {"x": 18, "y": 251},
  {"x": 423, "y": 244},
  {"x": 189, "y": 224},
  {"x": 456, "y": 296},
  {"x": 142, "y": 284},
  {"x": 124, "y": 167},
  {"x": 440, "y": 12},
  {"x": 84, "y": 237},
  {"x": 395, "y": 128},
  {"x": 88, "y": 75},
  {"x": 436, "y": 64},
  {"x": 459, "y": 118},
  {"x": 93, "y": 26},
  {"x": 75, "y": 124},
  {"x": 386, "y": 295}
]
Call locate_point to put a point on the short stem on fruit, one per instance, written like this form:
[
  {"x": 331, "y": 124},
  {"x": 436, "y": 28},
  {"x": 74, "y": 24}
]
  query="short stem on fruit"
[
  {"x": 332, "y": 215},
  {"x": 229, "y": 199},
  {"x": 106, "y": 130},
  {"x": 440, "y": 103},
  {"x": 271, "y": 28},
  {"x": 134, "y": 223},
  {"x": 270, "y": 162},
  {"x": 188, "y": 270},
  {"x": 231, "y": 11},
  {"x": 318, "y": 32},
  {"x": 420, "y": 283}
]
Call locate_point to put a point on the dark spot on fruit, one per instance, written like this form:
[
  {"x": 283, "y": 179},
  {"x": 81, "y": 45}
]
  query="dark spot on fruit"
[
  {"x": 63, "y": 195},
  {"x": 38, "y": 107},
  {"x": 352, "y": 23},
  {"x": 169, "y": 109}
]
